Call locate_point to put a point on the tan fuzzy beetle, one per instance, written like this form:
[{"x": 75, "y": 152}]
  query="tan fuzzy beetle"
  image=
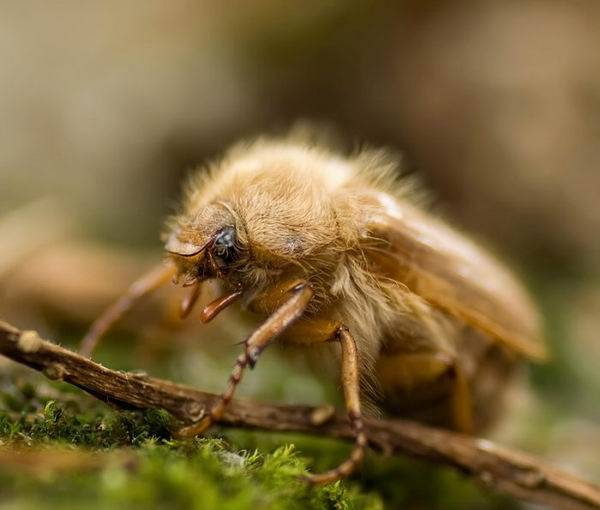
[{"x": 334, "y": 253}]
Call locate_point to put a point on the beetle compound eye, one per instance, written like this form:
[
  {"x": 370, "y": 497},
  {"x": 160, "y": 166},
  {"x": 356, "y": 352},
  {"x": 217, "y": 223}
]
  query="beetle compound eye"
[{"x": 224, "y": 246}]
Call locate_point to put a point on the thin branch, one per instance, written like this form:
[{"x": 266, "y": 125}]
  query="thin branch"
[{"x": 507, "y": 471}]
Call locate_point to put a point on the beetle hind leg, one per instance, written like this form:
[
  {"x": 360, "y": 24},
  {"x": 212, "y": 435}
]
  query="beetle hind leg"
[
  {"x": 460, "y": 400},
  {"x": 406, "y": 372}
]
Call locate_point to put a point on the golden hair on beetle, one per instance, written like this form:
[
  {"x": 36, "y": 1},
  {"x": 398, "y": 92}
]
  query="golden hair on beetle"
[{"x": 335, "y": 251}]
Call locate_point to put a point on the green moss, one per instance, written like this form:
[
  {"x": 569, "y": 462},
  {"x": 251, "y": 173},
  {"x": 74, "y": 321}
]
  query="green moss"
[
  {"x": 158, "y": 472},
  {"x": 144, "y": 467},
  {"x": 399, "y": 482},
  {"x": 204, "y": 474},
  {"x": 63, "y": 425}
]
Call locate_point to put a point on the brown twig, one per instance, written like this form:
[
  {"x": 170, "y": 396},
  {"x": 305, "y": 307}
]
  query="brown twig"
[{"x": 510, "y": 472}]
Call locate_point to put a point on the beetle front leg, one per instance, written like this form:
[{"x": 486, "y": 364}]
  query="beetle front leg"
[
  {"x": 277, "y": 323},
  {"x": 146, "y": 284}
]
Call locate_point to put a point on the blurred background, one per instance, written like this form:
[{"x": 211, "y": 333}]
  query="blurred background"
[{"x": 106, "y": 106}]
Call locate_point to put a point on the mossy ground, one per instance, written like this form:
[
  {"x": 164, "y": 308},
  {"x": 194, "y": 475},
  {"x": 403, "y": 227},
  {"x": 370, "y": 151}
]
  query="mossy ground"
[
  {"x": 61, "y": 448},
  {"x": 126, "y": 459}
]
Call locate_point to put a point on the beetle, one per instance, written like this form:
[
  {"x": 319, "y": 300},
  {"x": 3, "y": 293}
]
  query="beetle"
[{"x": 337, "y": 255}]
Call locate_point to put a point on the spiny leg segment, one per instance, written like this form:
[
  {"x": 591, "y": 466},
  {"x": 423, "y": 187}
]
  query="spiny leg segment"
[{"x": 279, "y": 320}]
